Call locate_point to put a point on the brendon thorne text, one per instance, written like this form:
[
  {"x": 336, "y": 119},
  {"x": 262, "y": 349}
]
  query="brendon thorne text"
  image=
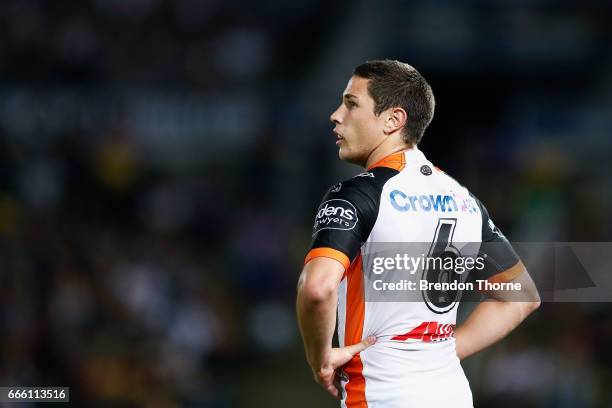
[{"x": 423, "y": 284}]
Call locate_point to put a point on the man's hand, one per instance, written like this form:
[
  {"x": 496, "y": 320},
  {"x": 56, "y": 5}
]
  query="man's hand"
[{"x": 326, "y": 373}]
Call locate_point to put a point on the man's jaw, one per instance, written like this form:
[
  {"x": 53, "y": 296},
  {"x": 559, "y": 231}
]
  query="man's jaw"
[{"x": 343, "y": 152}]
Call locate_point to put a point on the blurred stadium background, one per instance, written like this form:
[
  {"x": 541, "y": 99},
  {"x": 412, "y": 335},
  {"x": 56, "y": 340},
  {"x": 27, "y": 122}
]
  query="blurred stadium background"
[{"x": 162, "y": 162}]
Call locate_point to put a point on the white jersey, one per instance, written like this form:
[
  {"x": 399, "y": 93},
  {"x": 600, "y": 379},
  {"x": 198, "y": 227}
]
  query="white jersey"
[{"x": 403, "y": 200}]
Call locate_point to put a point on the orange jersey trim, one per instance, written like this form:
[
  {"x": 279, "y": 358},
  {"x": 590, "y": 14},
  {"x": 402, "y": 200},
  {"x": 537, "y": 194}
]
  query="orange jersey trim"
[
  {"x": 355, "y": 312},
  {"x": 509, "y": 274},
  {"x": 328, "y": 253},
  {"x": 395, "y": 161}
]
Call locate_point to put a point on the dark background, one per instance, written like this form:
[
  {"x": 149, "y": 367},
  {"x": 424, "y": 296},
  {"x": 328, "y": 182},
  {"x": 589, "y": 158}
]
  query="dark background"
[{"x": 162, "y": 162}]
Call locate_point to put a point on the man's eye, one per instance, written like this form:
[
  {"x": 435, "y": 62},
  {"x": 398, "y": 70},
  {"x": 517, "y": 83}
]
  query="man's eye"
[{"x": 351, "y": 104}]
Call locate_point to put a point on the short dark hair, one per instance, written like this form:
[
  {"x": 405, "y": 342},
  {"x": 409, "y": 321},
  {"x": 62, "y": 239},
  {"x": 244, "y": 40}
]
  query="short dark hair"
[{"x": 396, "y": 84}]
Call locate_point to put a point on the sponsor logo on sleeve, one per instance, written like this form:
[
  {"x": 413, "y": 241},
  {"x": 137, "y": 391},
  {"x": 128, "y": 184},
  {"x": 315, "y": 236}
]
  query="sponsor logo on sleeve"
[
  {"x": 335, "y": 214},
  {"x": 494, "y": 228},
  {"x": 335, "y": 188},
  {"x": 366, "y": 174}
]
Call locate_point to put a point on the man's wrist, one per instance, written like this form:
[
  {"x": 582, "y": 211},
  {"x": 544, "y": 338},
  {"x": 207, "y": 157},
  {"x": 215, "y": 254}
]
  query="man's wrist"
[{"x": 318, "y": 360}]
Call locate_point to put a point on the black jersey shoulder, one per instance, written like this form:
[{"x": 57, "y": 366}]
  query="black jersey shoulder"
[
  {"x": 495, "y": 248},
  {"x": 349, "y": 210}
]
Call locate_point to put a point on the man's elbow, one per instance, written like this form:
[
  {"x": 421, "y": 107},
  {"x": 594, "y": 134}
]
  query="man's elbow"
[
  {"x": 311, "y": 291},
  {"x": 530, "y": 306},
  {"x": 534, "y": 305},
  {"x": 529, "y": 296},
  {"x": 535, "y": 300}
]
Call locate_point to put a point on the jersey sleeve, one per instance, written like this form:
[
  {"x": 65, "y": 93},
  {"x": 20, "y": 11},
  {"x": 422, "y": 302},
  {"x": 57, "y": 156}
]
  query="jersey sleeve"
[
  {"x": 346, "y": 217},
  {"x": 500, "y": 258}
]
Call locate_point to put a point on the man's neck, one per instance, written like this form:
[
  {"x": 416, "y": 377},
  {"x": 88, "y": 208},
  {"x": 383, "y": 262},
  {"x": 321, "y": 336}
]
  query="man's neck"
[{"x": 383, "y": 150}]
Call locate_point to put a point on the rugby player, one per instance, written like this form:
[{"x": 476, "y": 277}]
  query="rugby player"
[{"x": 396, "y": 354}]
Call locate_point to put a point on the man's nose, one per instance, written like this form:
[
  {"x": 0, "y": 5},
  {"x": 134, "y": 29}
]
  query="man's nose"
[{"x": 335, "y": 117}]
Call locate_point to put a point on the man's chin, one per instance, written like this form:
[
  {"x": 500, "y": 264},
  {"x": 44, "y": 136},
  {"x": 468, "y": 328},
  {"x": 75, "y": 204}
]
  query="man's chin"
[
  {"x": 343, "y": 154},
  {"x": 346, "y": 156}
]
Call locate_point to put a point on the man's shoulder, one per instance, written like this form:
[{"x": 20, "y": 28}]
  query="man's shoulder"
[
  {"x": 367, "y": 183},
  {"x": 353, "y": 203}
]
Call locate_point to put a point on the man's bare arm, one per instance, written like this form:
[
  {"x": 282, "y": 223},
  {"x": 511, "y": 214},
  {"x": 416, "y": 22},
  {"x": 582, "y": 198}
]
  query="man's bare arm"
[
  {"x": 317, "y": 298},
  {"x": 494, "y": 318},
  {"x": 316, "y": 304}
]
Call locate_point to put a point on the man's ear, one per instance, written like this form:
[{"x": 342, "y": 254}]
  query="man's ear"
[{"x": 396, "y": 118}]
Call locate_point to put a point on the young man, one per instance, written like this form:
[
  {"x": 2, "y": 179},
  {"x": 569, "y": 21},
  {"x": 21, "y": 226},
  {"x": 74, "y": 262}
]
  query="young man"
[{"x": 396, "y": 354}]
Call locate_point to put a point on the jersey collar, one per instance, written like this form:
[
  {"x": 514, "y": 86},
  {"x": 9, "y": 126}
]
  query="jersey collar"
[{"x": 396, "y": 161}]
